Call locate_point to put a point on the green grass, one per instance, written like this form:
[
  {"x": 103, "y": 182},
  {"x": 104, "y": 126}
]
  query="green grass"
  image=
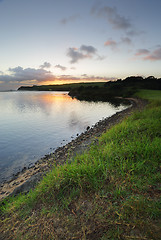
[
  {"x": 110, "y": 192},
  {"x": 150, "y": 94}
]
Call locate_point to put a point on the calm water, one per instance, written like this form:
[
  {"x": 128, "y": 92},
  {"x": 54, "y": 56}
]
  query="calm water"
[{"x": 33, "y": 124}]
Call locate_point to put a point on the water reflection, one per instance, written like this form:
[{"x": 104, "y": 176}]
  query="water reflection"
[
  {"x": 76, "y": 122},
  {"x": 40, "y": 101},
  {"x": 34, "y": 122}
]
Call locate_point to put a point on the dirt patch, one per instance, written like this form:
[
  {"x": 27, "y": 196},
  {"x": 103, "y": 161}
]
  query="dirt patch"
[{"x": 29, "y": 177}]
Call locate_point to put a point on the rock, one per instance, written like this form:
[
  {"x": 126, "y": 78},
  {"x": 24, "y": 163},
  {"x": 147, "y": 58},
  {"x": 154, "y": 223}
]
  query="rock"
[
  {"x": 23, "y": 169},
  {"x": 28, "y": 185},
  {"x": 3, "y": 193}
]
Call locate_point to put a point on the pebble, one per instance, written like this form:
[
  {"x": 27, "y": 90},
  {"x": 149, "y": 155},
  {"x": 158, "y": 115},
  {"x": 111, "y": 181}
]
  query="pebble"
[{"x": 3, "y": 193}]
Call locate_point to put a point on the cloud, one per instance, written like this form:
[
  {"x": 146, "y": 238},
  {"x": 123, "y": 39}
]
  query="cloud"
[
  {"x": 85, "y": 78},
  {"x": 134, "y": 32},
  {"x": 84, "y": 52},
  {"x": 75, "y": 55},
  {"x": 28, "y": 76},
  {"x": 115, "y": 45},
  {"x": 88, "y": 49},
  {"x": 141, "y": 52},
  {"x": 67, "y": 20},
  {"x": 100, "y": 58},
  {"x": 60, "y": 67},
  {"x": 116, "y": 20},
  {"x": 149, "y": 55},
  {"x": 113, "y": 17},
  {"x": 111, "y": 43},
  {"x": 126, "y": 40},
  {"x": 20, "y": 74},
  {"x": 97, "y": 78},
  {"x": 45, "y": 65},
  {"x": 154, "y": 56}
]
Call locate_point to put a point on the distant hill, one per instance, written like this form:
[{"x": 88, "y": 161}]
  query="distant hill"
[{"x": 63, "y": 87}]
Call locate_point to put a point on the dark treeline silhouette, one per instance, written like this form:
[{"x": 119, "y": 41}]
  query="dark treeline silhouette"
[
  {"x": 62, "y": 87},
  {"x": 118, "y": 88},
  {"x": 137, "y": 82}
]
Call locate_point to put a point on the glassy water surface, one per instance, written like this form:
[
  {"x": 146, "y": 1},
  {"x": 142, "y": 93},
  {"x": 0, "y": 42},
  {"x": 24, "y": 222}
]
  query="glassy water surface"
[{"x": 33, "y": 124}]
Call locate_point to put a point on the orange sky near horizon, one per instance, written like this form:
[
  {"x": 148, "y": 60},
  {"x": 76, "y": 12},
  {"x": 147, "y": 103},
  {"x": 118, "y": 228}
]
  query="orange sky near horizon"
[
  {"x": 79, "y": 80},
  {"x": 78, "y": 41}
]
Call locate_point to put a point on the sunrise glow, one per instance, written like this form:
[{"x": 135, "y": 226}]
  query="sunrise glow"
[{"x": 78, "y": 41}]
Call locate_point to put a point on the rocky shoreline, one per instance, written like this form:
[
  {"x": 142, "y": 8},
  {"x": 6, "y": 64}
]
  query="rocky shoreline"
[{"x": 28, "y": 178}]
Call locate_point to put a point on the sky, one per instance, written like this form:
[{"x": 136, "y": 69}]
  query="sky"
[{"x": 64, "y": 41}]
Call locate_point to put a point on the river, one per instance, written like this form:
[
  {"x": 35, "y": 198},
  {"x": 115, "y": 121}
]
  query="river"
[{"x": 33, "y": 124}]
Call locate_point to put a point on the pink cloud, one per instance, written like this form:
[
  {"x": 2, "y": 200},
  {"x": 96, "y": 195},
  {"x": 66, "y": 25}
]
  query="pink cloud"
[
  {"x": 154, "y": 56},
  {"x": 115, "y": 45},
  {"x": 141, "y": 52},
  {"x": 149, "y": 55},
  {"x": 111, "y": 43}
]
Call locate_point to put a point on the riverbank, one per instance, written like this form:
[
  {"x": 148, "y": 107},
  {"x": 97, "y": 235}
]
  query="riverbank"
[{"x": 28, "y": 178}]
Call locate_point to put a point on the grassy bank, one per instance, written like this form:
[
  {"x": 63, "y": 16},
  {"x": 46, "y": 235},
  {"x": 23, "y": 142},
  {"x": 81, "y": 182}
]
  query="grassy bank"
[
  {"x": 122, "y": 88},
  {"x": 110, "y": 192}
]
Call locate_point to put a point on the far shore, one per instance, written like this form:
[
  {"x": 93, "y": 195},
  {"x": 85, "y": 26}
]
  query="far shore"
[{"x": 29, "y": 177}]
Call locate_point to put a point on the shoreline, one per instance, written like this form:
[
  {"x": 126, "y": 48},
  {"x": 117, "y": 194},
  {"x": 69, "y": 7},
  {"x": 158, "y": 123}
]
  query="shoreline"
[{"x": 28, "y": 178}]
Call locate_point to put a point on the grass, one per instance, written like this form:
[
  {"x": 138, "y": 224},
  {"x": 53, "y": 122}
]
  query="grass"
[
  {"x": 150, "y": 94},
  {"x": 110, "y": 192}
]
